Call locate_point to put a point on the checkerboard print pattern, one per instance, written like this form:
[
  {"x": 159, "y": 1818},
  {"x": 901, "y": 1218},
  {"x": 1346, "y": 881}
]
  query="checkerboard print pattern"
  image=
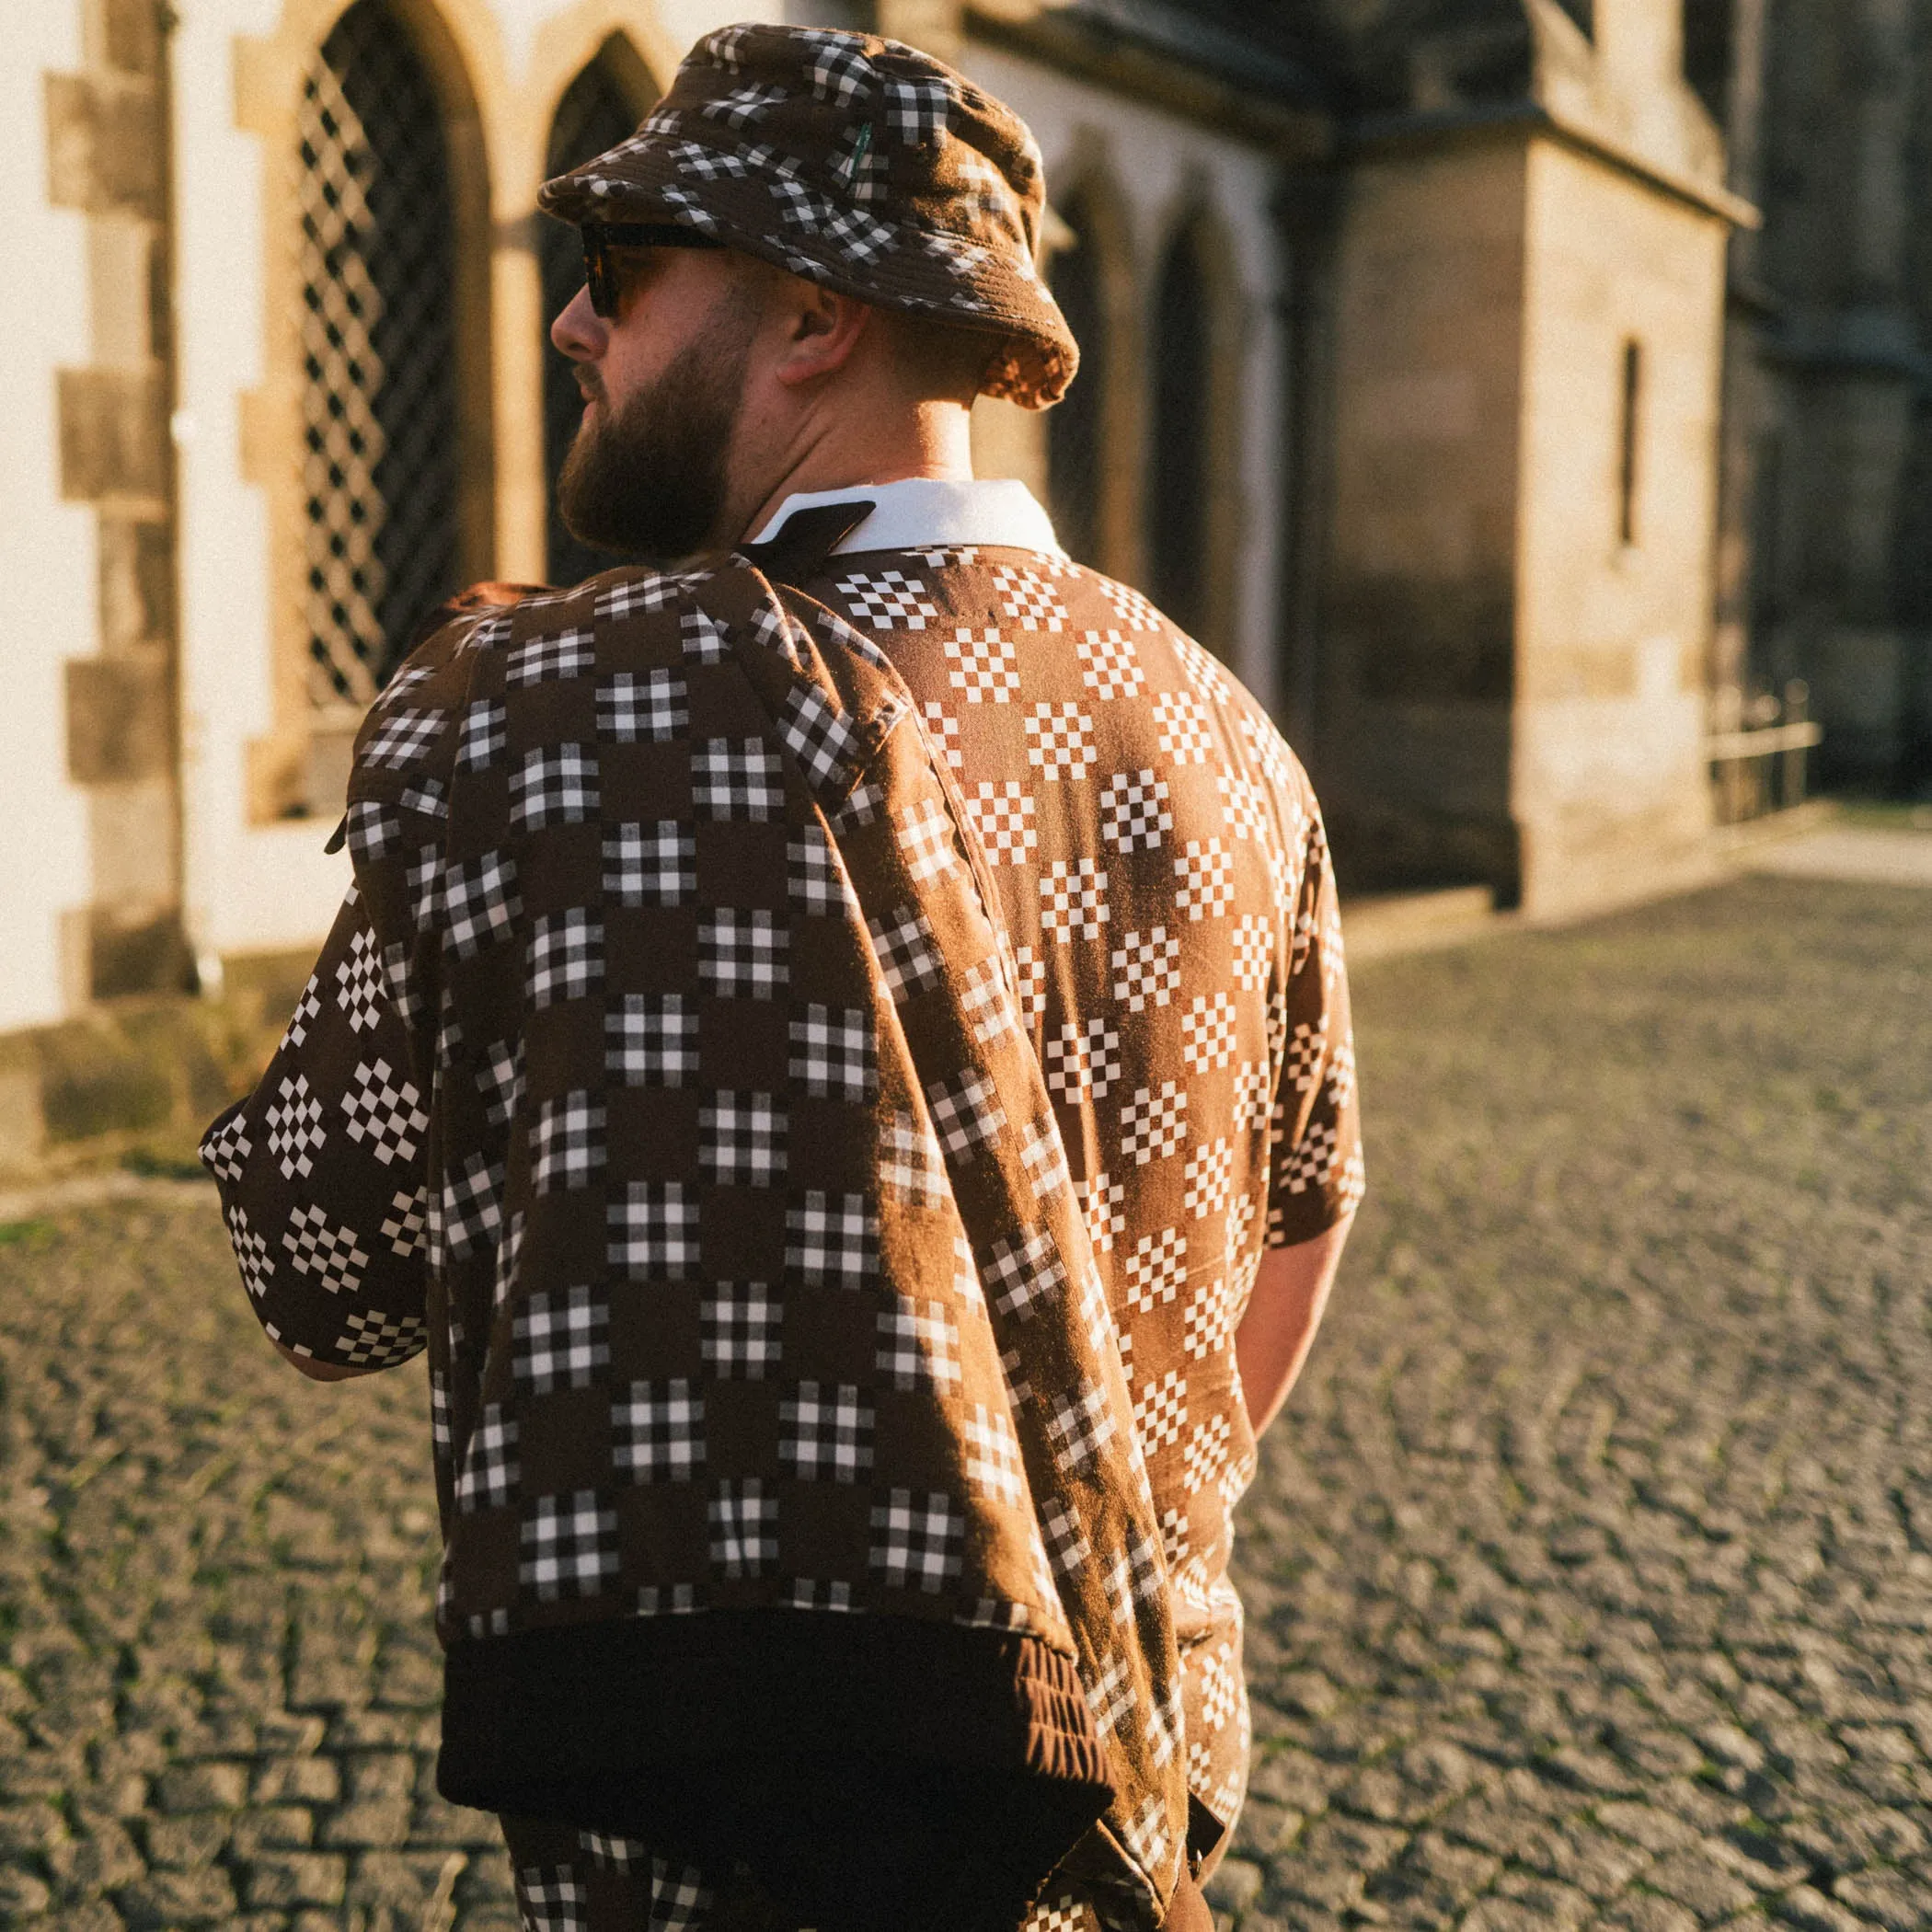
[
  {"x": 826, "y": 1431},
  {"x": 744, "y": 1528},
  {"x": 651, "y": 709},
  {"x": 554, "y": 786},
  {"x": 569, "y": 1546},
  {"x": 833, "y": 1054},
  {"x": 324, "y": 1250},
  {"x": 917, "y": 1540},
  {"x": 650, "y": 865},
  {"x": 743, "y": 954},
  {"x": 739, "y": 1325},
  {"x": 658, "y": 1431},
  {"x": 561, "y": 1340},
  {"x": 667, "y": 1036},
  {"x": 1168, "y": 1037},
  {"x": 489, "y": 1471},
  {"x": 652, "y": 1039},
  {"x": 741, "y": 1139}
]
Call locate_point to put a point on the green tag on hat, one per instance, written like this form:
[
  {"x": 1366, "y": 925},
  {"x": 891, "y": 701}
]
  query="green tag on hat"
[{"x": 862, "y": 147}]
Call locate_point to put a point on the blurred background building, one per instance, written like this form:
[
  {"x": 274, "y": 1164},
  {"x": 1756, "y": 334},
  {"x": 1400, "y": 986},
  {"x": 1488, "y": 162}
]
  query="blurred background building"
[{"x": 1439, "y": 373}]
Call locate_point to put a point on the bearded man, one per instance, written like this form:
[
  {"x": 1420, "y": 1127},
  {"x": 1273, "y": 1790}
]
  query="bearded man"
[{"x": 838, "y": 1046}]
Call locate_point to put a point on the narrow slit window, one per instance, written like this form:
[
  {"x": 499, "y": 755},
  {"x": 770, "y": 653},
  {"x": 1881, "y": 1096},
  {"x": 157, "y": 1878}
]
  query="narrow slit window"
[{"x": 1629, "y": 430}]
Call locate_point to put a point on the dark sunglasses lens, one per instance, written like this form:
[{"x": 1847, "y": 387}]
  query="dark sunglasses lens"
[{"x": 597, "y": 275}]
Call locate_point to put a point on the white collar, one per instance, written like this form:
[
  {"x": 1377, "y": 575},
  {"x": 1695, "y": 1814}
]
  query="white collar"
[{"x": 919, "y": 513}]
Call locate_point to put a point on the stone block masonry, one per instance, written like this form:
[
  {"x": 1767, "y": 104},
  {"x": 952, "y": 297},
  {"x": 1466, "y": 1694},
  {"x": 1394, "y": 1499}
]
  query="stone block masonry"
[{"x": 107, "y": 156}]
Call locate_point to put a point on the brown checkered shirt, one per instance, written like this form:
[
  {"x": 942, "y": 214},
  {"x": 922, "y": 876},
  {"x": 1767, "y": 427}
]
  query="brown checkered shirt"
[{"x": 729, "y": 1015}]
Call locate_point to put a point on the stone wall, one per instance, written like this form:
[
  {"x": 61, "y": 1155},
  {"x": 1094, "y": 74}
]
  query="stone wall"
[
  {"x": 1834, "y": 351},
  {"x": 108, "y": 157},
  {"x": 1511, "y": 684},
  {"x": 1609, "y": 790},
  {"x": 1395, "y": 531},
  {"x": 1513, "y": 693},
  {"x": 1412, "y": 739},
  {"x": 47, "y": 544}
]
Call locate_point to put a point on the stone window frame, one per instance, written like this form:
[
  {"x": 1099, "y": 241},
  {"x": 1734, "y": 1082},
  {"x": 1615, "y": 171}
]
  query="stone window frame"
[
  {"x": 498, "y": 117},
  {"x": 299, "y": 767},
  {"x": 1633, "y": 385}
]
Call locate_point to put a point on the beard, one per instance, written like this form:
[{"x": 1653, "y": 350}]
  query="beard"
[{"x": 650, "y": 480}]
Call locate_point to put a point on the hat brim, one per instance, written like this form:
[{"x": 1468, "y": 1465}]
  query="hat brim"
[{"x": 769, "y": 211}]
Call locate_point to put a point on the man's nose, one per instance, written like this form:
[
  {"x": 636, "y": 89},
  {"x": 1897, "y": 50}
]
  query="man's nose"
[{"x": 579, "y": 330}]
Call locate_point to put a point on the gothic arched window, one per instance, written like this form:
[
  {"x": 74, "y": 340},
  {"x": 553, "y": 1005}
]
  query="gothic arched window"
[
  {"x": 595, "y": 113},
  {"x": 1178, "y": 482},
  {"x": 381, "y": 467},
  {"x": 1074, "y": 425}
]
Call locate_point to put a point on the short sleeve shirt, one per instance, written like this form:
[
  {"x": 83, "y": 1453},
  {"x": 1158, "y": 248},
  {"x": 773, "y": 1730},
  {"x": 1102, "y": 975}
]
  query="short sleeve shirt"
[{"x": 1162, "y": 868}]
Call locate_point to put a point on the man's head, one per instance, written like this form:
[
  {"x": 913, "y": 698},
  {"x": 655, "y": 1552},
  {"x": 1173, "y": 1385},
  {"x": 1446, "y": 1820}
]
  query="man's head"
[
  {"x": 871, "y": 220},
  {"x": 719, "y": 377}
]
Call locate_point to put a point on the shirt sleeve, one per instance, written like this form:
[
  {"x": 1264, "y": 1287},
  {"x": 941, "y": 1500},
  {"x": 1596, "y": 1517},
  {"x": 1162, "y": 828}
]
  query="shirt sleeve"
[
  {"x": 320, "y": 1169},
  {"x": 1315, "y": 1155}
]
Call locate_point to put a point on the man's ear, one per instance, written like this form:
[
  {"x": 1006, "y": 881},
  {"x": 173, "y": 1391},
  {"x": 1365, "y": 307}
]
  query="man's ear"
[{"x": 822, "y": 329}]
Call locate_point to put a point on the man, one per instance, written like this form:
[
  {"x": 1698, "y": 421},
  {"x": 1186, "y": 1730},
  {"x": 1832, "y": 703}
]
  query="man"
[{"x": 780, "y": 948}]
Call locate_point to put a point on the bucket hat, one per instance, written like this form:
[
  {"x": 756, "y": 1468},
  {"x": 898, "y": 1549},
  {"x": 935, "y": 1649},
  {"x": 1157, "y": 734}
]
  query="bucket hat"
[{"x": 860, "y": 164}]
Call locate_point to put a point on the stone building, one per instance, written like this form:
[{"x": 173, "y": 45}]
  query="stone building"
[
  {"x": 1825, "y": 551},
  {"x": 1403, "y": 325},
  {"x": 1507, "y": 280}
]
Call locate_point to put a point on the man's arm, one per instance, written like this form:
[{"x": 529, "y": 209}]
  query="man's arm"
[
  {"x": 321, "y": 1172},
  {"x": 1277, "y": 1326}
]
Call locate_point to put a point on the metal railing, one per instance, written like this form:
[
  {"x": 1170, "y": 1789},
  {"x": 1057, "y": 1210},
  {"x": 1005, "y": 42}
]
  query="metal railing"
[{"x": 1758, "y": 761}]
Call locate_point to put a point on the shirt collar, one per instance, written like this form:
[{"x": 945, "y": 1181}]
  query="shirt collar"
[{"x": 921, "y": 512}]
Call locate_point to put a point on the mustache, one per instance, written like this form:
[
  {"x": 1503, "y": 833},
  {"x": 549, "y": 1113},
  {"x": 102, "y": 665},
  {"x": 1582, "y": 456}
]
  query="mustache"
[{"x": 590, "y": 383}]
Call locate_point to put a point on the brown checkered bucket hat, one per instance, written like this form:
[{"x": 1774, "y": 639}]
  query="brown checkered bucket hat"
[{"x": 860, "y": 164}]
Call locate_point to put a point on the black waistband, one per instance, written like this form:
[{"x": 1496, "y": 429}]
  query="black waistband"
[{"x": 869, "y": 1768}]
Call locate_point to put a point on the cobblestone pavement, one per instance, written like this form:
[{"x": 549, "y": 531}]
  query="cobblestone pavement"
[{"x": 1590, "y": 1571}]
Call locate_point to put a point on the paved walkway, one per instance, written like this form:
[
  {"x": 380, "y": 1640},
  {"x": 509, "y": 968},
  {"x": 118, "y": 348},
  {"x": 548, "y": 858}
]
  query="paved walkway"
[
  {"x": 1863, "y": 854},
  {"x": 1590, "y": 1571}
]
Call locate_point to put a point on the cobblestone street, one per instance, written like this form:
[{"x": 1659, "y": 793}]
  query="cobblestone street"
[{"x": 1588, "y": 1571}]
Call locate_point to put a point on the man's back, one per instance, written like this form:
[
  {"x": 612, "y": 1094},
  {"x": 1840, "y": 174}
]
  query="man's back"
[
  {"x": 1163, "y": 873},
  {"x": 666, "y": 1077}
]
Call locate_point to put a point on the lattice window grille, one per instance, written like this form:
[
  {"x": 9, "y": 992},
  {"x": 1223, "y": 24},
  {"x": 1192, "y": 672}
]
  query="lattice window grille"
[{"x": 376, "y": 331}]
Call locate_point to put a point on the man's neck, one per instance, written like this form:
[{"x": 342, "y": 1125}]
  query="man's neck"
[{"x": 939, "y": 446}]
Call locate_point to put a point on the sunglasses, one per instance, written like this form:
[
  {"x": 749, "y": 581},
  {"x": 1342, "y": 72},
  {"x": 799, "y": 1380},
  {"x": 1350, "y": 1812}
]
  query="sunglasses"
[{"x": 600, "y": 272}]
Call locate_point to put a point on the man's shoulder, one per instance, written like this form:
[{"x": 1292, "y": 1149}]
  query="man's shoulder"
[
  {"x": 1118, "y": 649},
  {"x": 544, "y": 632},
  {"x": 663, "y": 649},
  {"x": 1207, "y": 676}
]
